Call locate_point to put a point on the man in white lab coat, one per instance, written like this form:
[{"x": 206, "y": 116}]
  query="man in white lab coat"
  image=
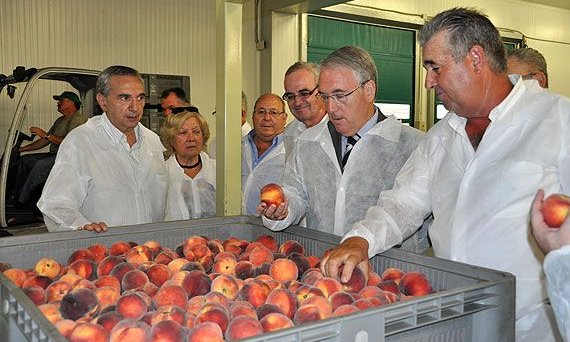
[
  {"x": 263, "y": 152},
  {"x": 478, "y": 169},
  {"x": 109, "y": 171},
  {"x": 327, "y": 180}
]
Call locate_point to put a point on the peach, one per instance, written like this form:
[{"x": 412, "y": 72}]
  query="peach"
[
  {"x": 16, "y": 275},
  {"x": 291, "y": 246},
  {"x": 108, "y": 320},
  {"x": 88, "y": 332},
  {"x": 238, "y": 308},
  {"x": 370, "y": 291},
  {"x": 79, "y": 303},
  {"x": 154, "y": 246},
  {"x": 225, "y": 255},
  {"x": 365, "y": 303},
  {"x": 138, "y": 254},
  {"x": 271, "y": 194},
  {"x": 108, "y": 280},
  {"x": 150, "y": 289},
  {"x": 275, "y": 321},
  {"x": 120, "y": 269},
  {"x": 285, "y": 300},
  {"x": 389, "y": 297},
  {"x": 165, "y": 331},
  {"x": 415, "y": 284},
  {"x": 217, "y": 297},
  {"x": 213, "y": 312},
  {"x": 48, "y": 267},
  {"x": 345, "y": 310},
  {"x": 307, "y": 291},
  {"x": 301, "y": 262},
  {"x": 119, "y": 248},
  {"x": 244, "y": 270},
  {"x": 165, "y": 256},
  {"x": 168, "y": 312},
  {"x": 37, "y": 280},
  {"x": 265, "y": 309},
  {"x": 85, "y": 284},
  {"x": 80, "y": 254},
  {"x": 65, "y": 327},
  {"x": 284, "y": 270},
  {"x": 390, "y": 286},
  {"x": 373, "y": 278},
  {"x": 107, "y": 296},
  {"x": 215, "y": 246},
  {"x": 158, "y": 274},
  {"x": 134, "y": 280},
  {"x": 392, "y": 273},
  {"x": 328, "y": 285},
  {"x": 255, "y": 292},
  {"x": 262, "y": 269},
  {"x": 57, "y": 290},
  {"x": 243, "y": 327},
  {"x": 170, "y": 294},
  {"x": 224, "y": 265},
  {"x": 207, "y": 331},
  {"x": 555, "y": 209},
  {"x": 340, "y": 298},
  {"x": 84, "y": 268},
  {"x": 129, "y": 330},
  {"x": 107, "y": 263},
  {"x": 313, "y": 261},
  {"x": 192, "y": 265},
  {"x": 313, "y": 309},
  {"x": 99, "y": 252},
  {"x": 132, "y": 306},
  {"x": 36, "y": 294},
  {"x": 51, "y": 312},
  {"x": 225, "y": 285},
  {"x": 310, "y": 277},
  {"x": 177, "y": 264},
  {"x": 195, "y": 304},
  {"x": 196, "y": 283},
  {"x": 269, "y": 242},
  {"x": 356, "y": 282},
  {"x": 70, "y": 278}
]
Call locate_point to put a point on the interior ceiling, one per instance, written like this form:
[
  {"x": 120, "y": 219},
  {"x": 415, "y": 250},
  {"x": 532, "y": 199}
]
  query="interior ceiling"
[{"x": 554, "y": 3}]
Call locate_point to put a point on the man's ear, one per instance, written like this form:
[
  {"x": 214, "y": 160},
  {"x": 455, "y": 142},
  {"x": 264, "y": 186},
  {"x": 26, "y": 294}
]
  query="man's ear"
[
  {"x": 477, "y": 57},
  {"x": 102, "y": 101},
  {"x": 370, "y": 90},
  {"x": 541, "y": 78}
]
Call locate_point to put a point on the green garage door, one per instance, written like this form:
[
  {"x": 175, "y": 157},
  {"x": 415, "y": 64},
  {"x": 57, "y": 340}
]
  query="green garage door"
[{"x": 392, "y": 50}]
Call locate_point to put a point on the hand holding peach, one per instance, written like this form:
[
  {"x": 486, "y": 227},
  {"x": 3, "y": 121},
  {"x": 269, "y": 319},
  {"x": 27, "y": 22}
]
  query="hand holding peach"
[
  {"x": 273, "y": 203},
  {"x": 547, "y": 236}
]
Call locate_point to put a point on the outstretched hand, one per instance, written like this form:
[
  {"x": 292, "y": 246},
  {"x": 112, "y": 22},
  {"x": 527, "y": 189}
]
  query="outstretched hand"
[
  {"x": 352, "y": 252},
  {"x": 273, "y": 212}
]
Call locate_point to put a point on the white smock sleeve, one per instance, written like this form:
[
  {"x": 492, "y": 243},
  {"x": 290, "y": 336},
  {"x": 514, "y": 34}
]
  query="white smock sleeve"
[
  {"x": 400, "y": 211},
  {"x": 64, "y": 192},
  {"x": 557, "y": 270}
]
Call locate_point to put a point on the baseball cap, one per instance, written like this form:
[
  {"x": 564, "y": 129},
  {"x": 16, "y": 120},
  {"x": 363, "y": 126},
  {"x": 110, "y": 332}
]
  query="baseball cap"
[{"x": 68, "y": 95}]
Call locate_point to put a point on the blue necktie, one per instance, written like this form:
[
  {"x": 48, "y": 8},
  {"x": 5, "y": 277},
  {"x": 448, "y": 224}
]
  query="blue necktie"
[{"x": 350, "y": 141}]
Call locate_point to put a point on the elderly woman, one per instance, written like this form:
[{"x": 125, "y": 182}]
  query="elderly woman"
[{"x": 192, "y": 191}]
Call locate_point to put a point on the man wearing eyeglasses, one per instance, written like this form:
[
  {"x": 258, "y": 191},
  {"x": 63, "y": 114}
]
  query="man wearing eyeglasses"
[
  {"x": 529, "y": 64},
  {"x": 301, "y": 83},
  {"x": 338, "y": 167},
  {"x": 263, "y": 152},
  {"x": 172, "y": 98}
]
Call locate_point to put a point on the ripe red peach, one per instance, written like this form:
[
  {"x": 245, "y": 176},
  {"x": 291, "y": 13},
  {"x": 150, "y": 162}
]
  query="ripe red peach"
[
  {"x": 207, "y": 331},
  {"x": 108, "y": 320},
  {"x": 285, "y": 300},
  {"x": 107, "y": 263},
  {"x": 345, "y": 310},
  {"x": 79, "y": 303},
  {"x": 265, "y": 309},
  {"x": 271, "y": 194},
  {"x": 48, "y": 267},
  {"x": 154, "y": 246},
  {"x": 88, "y": 332},
  {"x": 370, "y": 291},
  {"x": 313, "y": 261},
  {"x": 213, "y": 312},
  {"x": 108, "y": 280},
  {"x": 70, "y": 278},
  {"x": 313, "y": 309},
  {"x": 99, "y": 252},
  {"x": 275, "y": 321},
  {"x": 243, "y": 327},
  {"x": 192, "y": 265},
  {"x": 301, "y": 261},
  {"x": 165, "y": 331},
  {"x": 80, "y": 254},
  {"x": 65, "y": 327},
  {"x": 195, "y": 304},
  {"x": 364, "y": 303},
  {"x": 224, "y": 265},
  {"x": 170, "y": 294},
  {"x": 134, "y": 280},
  {"x": 36, "y": 294},
  {"x": 415, "y": 284},
  {"x": 392, "y": 273},
  {"x": 284, "y": 270},
  {"x": 307, "y": 291},
  {"x": 268, "y": 241},
  {"x": 328, "y": 285},
  {"x": 255, "y": 292},
  {"x": 132, "y": 306},
  {"x": 225, "y": 285},
  {"x": 168, "y": 312},
  {"x": 84, "y": 268},
  {"x": 165, "y": 256},
  {"x": 238, "y": 308},
  {"x": 51, "y": 312},
  {"x": 217, "y": 297},
  {"x": 138, "y": 255},
  {"x": 57, "y": 290},
  {"x": 373, "y": 278},
  {"x": 16, "y": 275},
  {"x": 555, "y": 209},
  {"x": 196, "y": 283},
  {"x": 121, "y": 269},
  {"x": 356, "y": 282},
  {"x": 85, "y": 284},
  {"x": 129, "y": 330},
  {"x": 311, "y": 276},
  {"x": 340, "y": 298},
  {"x": 37, "y": 280},
  {"x": 291, "y": 246},
  {"x": 119, "y": 248},
  {"x": 177, "y": 264},
  {"x": 390, "y": 286},
  {"x": 215, "y": 246},
  {"x": 107, "y": 296}
]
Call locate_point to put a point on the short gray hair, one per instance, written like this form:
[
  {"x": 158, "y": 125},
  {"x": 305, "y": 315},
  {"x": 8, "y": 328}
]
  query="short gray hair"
[
  {"x": 311, "y": 67},
  {"x": 103, "y": 81},
  {"x": 466, "y": 28},
  {"x": 356, "y": 59},
  {"x": 531, "y": 57}
]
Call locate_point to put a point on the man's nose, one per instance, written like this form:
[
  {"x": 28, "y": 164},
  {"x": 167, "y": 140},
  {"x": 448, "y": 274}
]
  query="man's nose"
[{"x": 431, "y": 79}]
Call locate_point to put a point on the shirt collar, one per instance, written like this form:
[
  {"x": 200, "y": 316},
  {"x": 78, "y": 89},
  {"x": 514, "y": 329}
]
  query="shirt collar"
[{"x": 116, "y": 135}]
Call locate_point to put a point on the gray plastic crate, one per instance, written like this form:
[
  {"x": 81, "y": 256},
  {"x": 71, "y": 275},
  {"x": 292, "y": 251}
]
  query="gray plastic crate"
[{"x": 470, "y": 303}]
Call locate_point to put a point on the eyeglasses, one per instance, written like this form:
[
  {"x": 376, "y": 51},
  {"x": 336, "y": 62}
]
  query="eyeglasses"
[
  {"x": 261, "y": 112},
  {"x": 303, "y": 94},
  {"x": 178, "y": 110},
  {"x": 528, "y": 76},
  {"x": 341, "y": 98}
]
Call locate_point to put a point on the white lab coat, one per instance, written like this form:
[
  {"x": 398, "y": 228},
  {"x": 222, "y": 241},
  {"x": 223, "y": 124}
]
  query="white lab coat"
[
  {"x": 292, "y": 131},
  {"x": 480, "y": 199},
  {"x": 191, "y": 197},
  {"x": 269, "y": 170},
  {"x": 332, "y": 200},
  {"x": 97, "y": 177},
  {"x": 557, "y": 270}
]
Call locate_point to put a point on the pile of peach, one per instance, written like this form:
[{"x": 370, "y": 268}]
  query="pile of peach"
[{"x": 204, "y": 290}]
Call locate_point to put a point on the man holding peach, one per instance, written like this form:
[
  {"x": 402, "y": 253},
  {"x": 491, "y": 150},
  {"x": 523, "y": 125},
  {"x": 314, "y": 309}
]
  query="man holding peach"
[{"x": 478, "y": 169}]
